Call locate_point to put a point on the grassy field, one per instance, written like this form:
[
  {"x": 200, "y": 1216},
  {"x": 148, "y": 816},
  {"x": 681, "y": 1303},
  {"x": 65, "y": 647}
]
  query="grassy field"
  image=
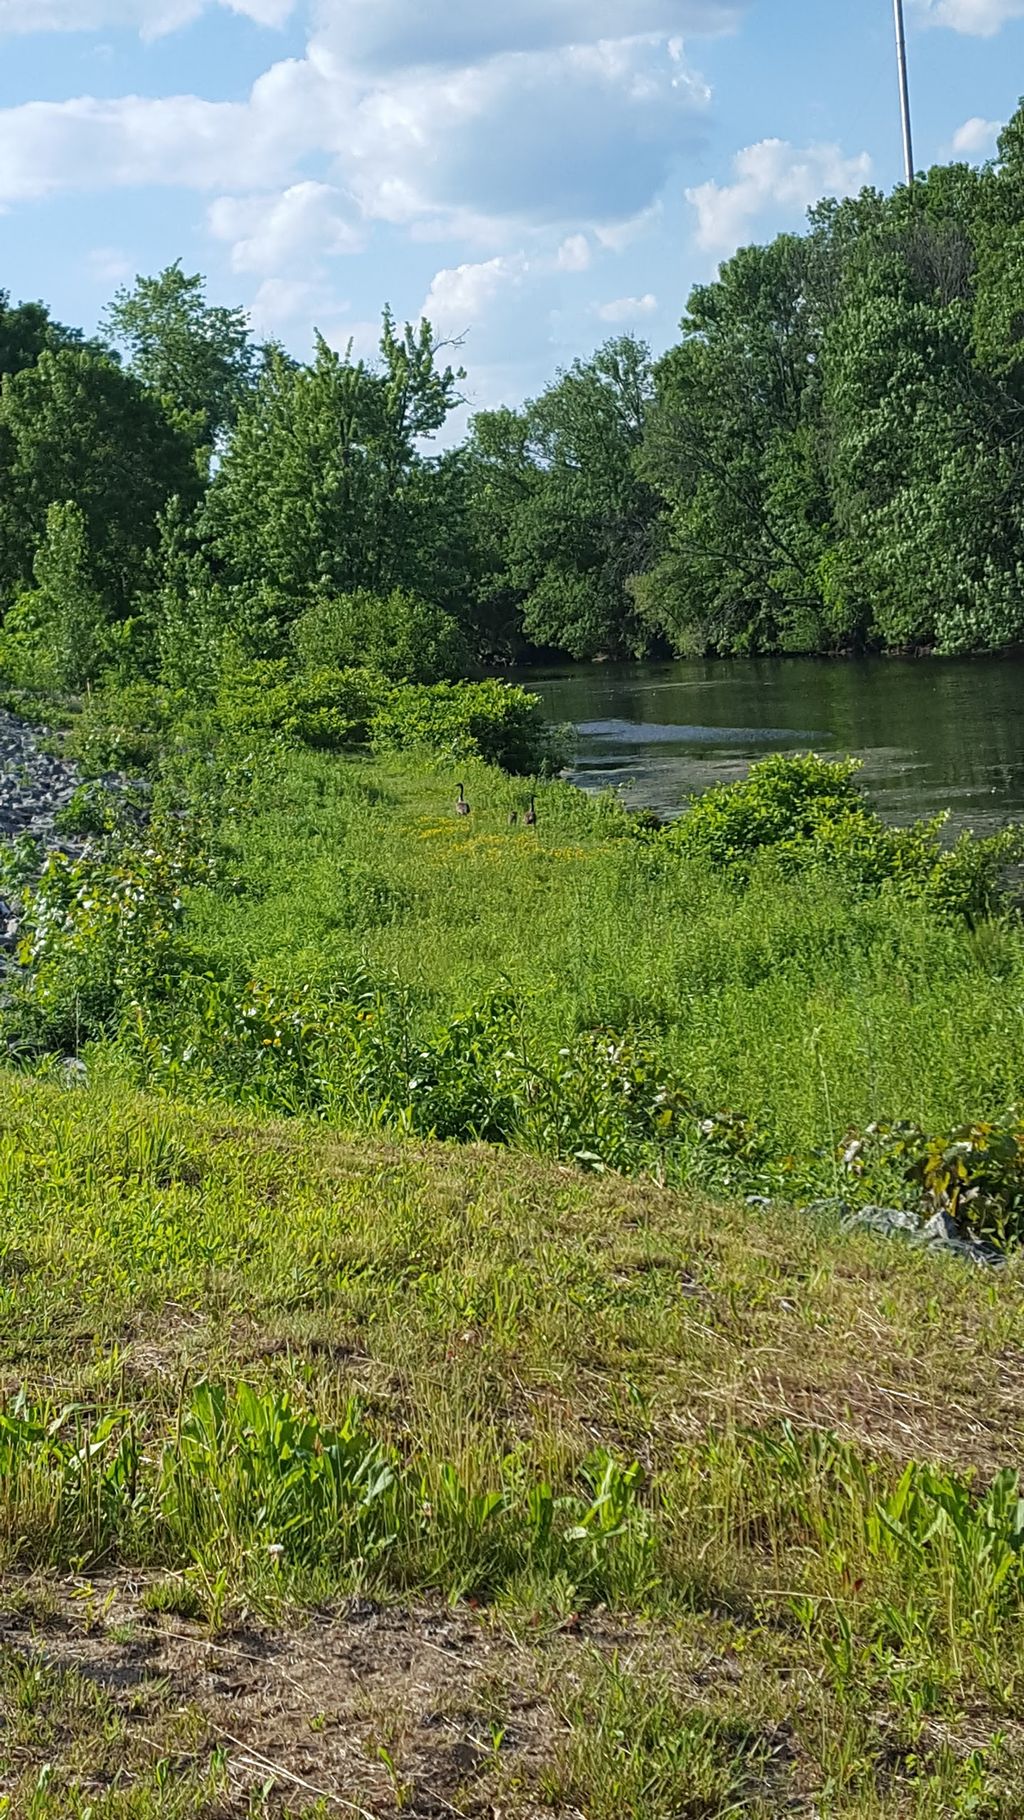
[
  {"x": 348, "y": 1470},
  {"x": 793, "y": 1003},
  {"x": 351, "y": 1475}
]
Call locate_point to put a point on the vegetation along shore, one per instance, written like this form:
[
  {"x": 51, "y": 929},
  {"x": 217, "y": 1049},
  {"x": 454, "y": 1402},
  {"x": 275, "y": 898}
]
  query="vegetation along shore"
[{"x": 507, "y": 1308}]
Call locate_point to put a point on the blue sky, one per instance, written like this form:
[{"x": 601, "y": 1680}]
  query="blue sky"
[{"x": 533, "y": 174}]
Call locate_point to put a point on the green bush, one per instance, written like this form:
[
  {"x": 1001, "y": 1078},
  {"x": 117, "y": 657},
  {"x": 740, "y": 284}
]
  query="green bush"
[
  {"x": 492, "y": 720},
  {"x": 811, "y": 812},
  {"x": 322, "y": 708},
  {"x": 58, "y": 637},
  {"x": 398, "y": 635},
  {"x": 975, "y": 1173},
  {"x": 99, "y": 932},
  {"x": 121, "y": 729}
]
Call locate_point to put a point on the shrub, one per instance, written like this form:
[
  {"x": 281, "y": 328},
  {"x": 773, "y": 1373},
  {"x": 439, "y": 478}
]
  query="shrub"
[
  {"x": 811, "y": 812},
  {"x": 324, "y": 708},
  {"x": 974, "y": 1173},
  {"x": 399, "y": 635},
  {"x": 492, "y": 720},
  {"x": 121, "y": 729},
  {"x": 98, "y": 931},
  {"x": 57, "y": 636}
]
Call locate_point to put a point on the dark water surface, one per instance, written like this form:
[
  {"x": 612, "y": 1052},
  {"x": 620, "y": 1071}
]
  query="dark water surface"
[{"x": 933, "y": 733}]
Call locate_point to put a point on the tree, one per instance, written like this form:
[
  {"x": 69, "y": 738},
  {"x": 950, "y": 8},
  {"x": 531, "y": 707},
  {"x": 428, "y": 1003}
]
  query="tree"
[
  {"x": 76, "y": 428},
  {"x": 199, "y": 356},
  {"x": 732, "y": 446},
  {"x": 325, "y": 488},
  {"x": 28, "y": 330},
  {"x": 406, "y": 639},
  {"x": 559, "y": 499}
]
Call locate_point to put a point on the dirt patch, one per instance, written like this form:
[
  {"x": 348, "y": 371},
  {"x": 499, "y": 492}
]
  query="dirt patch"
[{"x": 369, "y": 1709}]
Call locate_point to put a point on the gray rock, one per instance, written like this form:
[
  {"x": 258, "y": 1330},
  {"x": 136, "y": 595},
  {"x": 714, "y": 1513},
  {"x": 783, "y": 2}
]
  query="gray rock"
[{"x": 941, "y": 1233}]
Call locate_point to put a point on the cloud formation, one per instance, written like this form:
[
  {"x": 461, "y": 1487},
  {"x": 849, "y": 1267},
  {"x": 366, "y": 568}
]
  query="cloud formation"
[
  {"x": 772, "y": 177},
  {"x": 975, "y": 18},
  {"x": 381, "y": 36},
  {"x": 269, "y": 234},
  {"x": 977, "y": 137},
  {"x": 621, "y": 310},
  {"x": 151, "y": 18}
]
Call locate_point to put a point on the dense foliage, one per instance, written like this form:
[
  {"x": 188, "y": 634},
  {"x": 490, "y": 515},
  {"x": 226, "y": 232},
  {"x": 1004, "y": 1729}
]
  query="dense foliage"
[{"x": 828, "y": 460}]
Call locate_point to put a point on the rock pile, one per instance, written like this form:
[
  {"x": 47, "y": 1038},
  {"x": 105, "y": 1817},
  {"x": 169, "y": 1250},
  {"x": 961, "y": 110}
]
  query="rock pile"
[{"x": 34, "y": 786}]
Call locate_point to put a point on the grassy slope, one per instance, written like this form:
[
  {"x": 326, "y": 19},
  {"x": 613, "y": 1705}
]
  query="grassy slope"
[
  {"x": 752, "y": 1636},
  {"x": 789, "y": 1004}
]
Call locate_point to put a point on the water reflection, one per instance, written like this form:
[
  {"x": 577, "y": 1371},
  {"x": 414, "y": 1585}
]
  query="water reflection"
[{"x": 932, "y": 734}]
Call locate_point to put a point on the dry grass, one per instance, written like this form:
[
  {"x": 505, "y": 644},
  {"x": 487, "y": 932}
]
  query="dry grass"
[{"x": 482, "y": 1306}]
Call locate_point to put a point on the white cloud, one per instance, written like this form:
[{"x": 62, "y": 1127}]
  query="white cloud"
[
  {"x": 616, "y": 236},
  {"x": 51, "y": 146},
  {"x": 579, "y": 134},
  {"x": 387, "y": 35},
  {"x": 108, "y": 265},
  {"x": 308, "y": 221},
  {"x": 626, "y": 309},
  {"x": 461, "y": 295},
  {"x": 574, "y": 254},
  {"x": 770, "y": 177},
  {"x": 583, "y": 134},
  {"x": 151, "y": 18},
  {"x": 977, "y": 136},
  {"x": 976, "y": 18}
]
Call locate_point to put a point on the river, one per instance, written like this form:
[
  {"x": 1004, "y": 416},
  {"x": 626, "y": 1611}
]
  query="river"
[{"x": 933, "y": 733}]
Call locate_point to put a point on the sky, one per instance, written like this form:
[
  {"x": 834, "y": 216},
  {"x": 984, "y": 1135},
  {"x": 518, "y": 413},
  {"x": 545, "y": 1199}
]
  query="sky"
[{"x": 532, "y": 175}]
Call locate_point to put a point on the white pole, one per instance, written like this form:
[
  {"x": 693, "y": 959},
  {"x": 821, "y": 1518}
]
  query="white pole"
[{"x": 901, "y": 58}]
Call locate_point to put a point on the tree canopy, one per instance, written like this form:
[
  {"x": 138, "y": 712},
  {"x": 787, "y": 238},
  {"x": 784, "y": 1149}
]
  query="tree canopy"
[{"x": 830, "y": 458}]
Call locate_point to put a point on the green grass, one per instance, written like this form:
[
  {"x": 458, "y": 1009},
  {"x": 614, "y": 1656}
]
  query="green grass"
[
  {"x": 658, "y": 1503},
  {"x": 718, "y": 1495},
  {"x": 807, "y": 1011}
]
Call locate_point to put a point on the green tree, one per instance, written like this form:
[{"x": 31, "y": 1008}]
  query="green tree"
[
  {"x": 76, "y": 428},
  {"x": 55, "y": 637},
  {"x": 199, "y": 356},
  {"x": 402, "y": 637},
  {"x": 562, "y": 507},
  {"x": 28, "y": 330},
  {"x": 326, "y": 487},
  {"x": 732, "y": 444},
  {"x": 920, "y": 435}
]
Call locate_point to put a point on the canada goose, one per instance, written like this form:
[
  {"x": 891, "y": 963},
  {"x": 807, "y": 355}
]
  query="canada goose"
[
  {"x": 513, "y": 820},
  {"x": 462, "y": 807},
  {"x": 530, "y": 818}
]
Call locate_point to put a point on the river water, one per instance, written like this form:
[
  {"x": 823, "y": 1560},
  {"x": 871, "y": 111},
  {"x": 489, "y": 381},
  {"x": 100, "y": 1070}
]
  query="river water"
[{"x": 933, "y": 733}]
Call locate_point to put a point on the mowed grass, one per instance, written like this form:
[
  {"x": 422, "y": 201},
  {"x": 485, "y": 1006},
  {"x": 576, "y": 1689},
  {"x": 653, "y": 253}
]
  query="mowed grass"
[
  {"x": 791, "y": 1003},
  {"x": 339, "y": 1472}
]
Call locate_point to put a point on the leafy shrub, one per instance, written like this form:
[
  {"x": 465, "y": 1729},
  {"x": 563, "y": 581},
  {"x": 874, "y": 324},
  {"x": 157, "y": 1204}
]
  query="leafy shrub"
[
  {"x": 492, "y": 720},
  {"x": 810, "y": 812},
  {"x": 324, "y": 708},
  {"x": 94, "y": 810},
  {"x": 97, "y": 931},
  {"x": 974, "y": 1173},
  {"x": 58, "y": 635},
  {"x": 398, "y": 635},
  {"x": 121, "y": 729}
]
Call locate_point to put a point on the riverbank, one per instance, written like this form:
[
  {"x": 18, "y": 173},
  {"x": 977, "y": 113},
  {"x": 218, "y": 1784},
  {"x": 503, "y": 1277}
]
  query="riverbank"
[
  {"x": 543, "y": 1495},
  {"x": 602, "y": 1479},
  {"x": 320, "y": 933},
  {"x": 946, "y": 734}
]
